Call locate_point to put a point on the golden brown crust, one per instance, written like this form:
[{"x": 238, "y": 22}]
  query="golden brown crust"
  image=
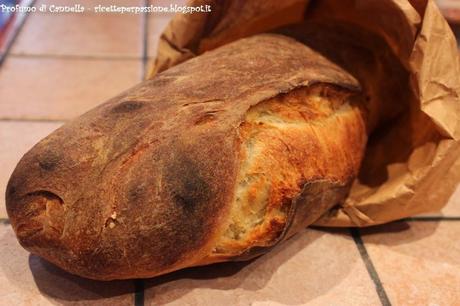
[
  {"x": 142, "y": 185},
  {"x": 311, "y": 134}
]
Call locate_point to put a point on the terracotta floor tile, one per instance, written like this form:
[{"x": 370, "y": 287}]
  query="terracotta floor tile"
[
  {"x": 61, "y": 88},
  {"x": 312, "y": 268},
  {"x": 81, "y": 34},
  {"x": 418, "y": 262},
  {"x": 17, "y": 138},
  {"x": 28, "y": 280}
]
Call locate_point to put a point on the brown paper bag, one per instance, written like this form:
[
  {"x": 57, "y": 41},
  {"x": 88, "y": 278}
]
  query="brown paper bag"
[{"x": 412, "y": 163}]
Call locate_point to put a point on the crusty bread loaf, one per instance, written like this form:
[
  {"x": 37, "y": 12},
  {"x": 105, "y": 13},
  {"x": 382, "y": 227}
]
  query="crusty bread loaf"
[{"x": 219, "y": 158}]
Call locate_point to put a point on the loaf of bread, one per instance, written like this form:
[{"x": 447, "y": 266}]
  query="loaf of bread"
[{"x": 219, "y": 158}]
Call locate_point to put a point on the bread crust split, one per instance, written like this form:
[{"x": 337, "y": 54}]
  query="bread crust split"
[{"x": 218, "y": 158}]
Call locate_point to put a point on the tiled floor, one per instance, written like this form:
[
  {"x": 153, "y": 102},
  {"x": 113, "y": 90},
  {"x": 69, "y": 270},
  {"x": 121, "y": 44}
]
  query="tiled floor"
[
  {"x": 57, "y": 88},
  {"x": 315, "y": 268},
  {"x": 28, "y": 280},
  {"x": 418, "y": 262},
  {"x": 62, "y": 65},
  {"x": 41, "y": 32}
]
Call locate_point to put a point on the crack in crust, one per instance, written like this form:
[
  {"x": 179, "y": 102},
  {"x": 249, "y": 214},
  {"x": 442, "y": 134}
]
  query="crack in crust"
[{"x": 287, "y": 141}]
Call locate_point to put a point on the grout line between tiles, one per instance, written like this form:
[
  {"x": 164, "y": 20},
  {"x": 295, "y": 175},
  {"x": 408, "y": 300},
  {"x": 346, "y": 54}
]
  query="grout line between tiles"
[
  {"x": 145, "y": 34},
  {"x": 370, "y": 267},
  {"x": 20, "y": 21},
  {"x": 139, "y": 287},
  {"x": 32, "y": 120},
  {"x": 75, "y": 56}
]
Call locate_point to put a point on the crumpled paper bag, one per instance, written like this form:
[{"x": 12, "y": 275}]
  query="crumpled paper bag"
[{"x": 412, "y": 163}]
